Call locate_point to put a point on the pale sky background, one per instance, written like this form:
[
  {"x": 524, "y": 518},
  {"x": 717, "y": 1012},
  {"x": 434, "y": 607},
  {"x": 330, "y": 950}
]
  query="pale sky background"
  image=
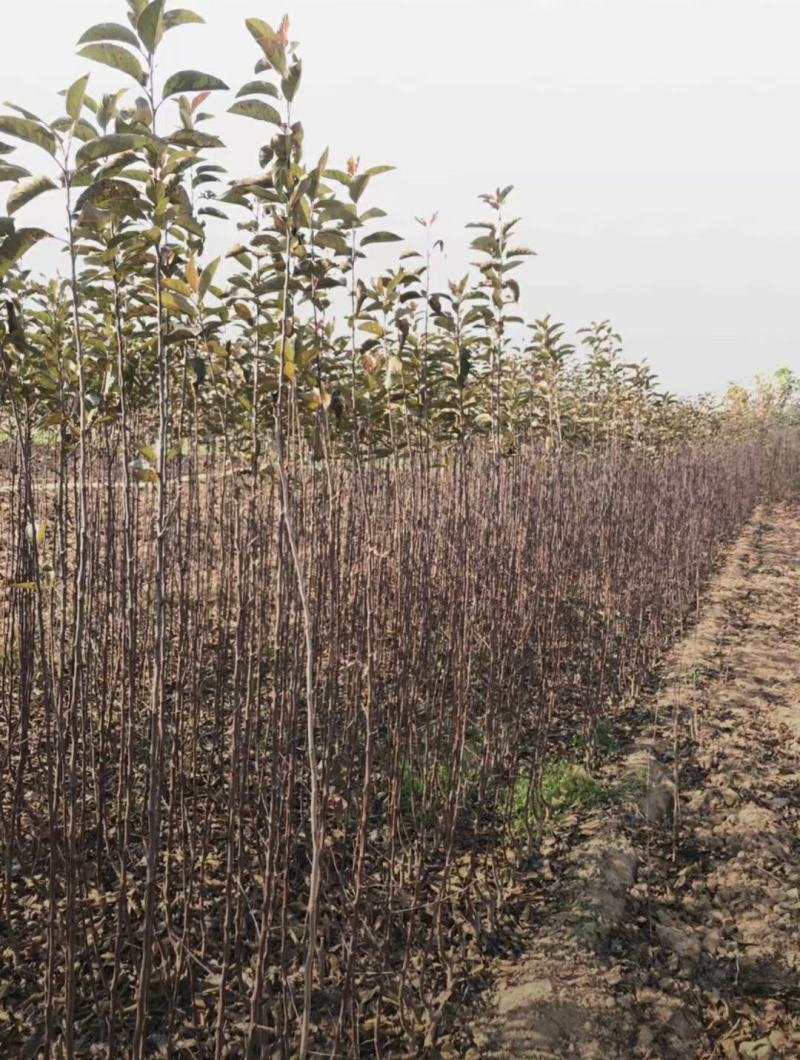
[{"x": 653, "y": 145}]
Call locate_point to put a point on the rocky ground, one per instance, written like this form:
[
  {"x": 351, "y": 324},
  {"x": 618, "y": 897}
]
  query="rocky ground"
[{"x": 665, "y": 922}]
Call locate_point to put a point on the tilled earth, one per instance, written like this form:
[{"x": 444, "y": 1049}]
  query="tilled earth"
[{"x": 671, "y": 928}]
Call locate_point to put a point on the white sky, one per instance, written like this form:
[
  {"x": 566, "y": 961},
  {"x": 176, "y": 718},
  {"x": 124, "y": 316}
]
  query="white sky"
[{"x": 652, "y": 143}]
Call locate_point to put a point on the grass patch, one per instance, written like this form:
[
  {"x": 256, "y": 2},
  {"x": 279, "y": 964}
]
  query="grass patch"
[
  {"x": 567, "y": 786},
  {"x": 564, "y": 786}
]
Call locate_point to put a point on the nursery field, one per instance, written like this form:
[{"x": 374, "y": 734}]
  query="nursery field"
[
  {"x": 328, "y": 597},
  {"x": 475, "y": 631}
]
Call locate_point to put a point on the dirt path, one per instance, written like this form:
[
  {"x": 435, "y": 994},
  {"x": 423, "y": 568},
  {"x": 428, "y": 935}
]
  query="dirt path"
[{"x": 672, "y": 927}]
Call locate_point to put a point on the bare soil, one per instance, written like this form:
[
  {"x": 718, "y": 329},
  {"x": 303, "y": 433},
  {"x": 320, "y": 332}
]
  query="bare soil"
[{"x": 666, "y": 923}]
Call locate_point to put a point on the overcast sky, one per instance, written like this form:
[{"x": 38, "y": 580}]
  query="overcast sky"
[{"x": 653, "y": 144}]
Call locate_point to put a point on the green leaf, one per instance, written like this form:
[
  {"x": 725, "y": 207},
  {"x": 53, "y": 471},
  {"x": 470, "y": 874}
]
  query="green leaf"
[
  {"x": 268, "y": 41},
  {"x": 204, "y": 178},
  {"x": 176, "y": 303},
  {"x": 189, "y": 224},
  {"x": 150, "y": 26},
  {"x": 9, "y": 172},
  {"x": 5, "y": 149},
  {"x": 333, "y": 240},
  {"x": 114, "y": 144},
  {"x": 181, "y": 16},
  {"x": 256, "y": 108},
  {"x": 338, "y": 175},
  {"x": 117, "y": 57},
  {"x": 121, "y": 165},
  {"x": 207, "y": 277},
  {"x": 109, "y": 31},
  {"x": 33, "y": 133},
  {"x": 84, "y": 130},
  {"x": 486, "y": 245},
  {"x": 28, "y": 190},
  {"x": 194, "y": 138},
  {"x": 106, "y": 192},
  {"x": 357, "y": 186},
  {"x": 192, "y": 81},
  {"x": 380, "y": 237},
  {"x": 291, "y": 82},
  {"x": 373, "y": 328},
  {"x": 26, "y": 113},
  {"x": 339, "y": 211},
  {"x": 258, "y": 88},
  {"x": 75, "y": 96},
  {"x": 18, "y": 244}
]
